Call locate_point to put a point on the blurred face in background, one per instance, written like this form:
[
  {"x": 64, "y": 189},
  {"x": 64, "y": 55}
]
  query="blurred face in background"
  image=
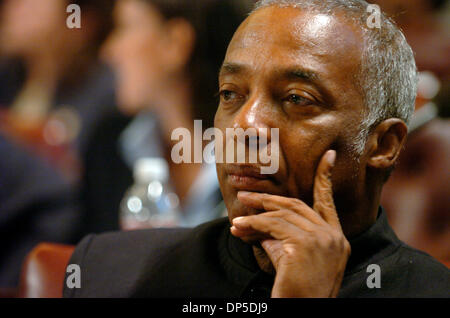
[
  {"x": 139, "y": 50},
  {"x": 29, "y": 26}
]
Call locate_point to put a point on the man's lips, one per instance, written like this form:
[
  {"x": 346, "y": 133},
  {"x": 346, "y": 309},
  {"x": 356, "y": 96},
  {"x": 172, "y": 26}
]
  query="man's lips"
[{"x": 247, "y": 177}]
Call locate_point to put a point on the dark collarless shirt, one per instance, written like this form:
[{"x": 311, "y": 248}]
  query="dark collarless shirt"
[{"x": 209, "y": 262}]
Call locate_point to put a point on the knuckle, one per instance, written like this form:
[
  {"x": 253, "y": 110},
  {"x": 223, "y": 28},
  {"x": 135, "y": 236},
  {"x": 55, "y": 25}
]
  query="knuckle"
[
  {"x": 324, "y": 181},
  {"x": 313, "y": 240},
  {"x": 347, "y": 248},
  {"x": 289, "y": 250},
  {"x": 277, "y": 221},
  {"x": 283, "y": 214},
  {"x": 329, "y": 240},
  {"x": 296, "y": 204},
  {"x": 332, "y": 239},
  {"x": 265, "y": 198},
  {"x": 265, "y": 201}
]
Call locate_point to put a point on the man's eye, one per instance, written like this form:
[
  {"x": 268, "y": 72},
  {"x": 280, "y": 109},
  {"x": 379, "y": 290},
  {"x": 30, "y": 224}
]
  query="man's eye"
[
  {"x": 299, "y": 100},
  {"x": 227, "y": 96}
]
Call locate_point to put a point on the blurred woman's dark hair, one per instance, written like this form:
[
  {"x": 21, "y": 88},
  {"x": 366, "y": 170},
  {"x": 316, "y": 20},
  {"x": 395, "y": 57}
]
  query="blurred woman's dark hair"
[
  {"x": 215, "y": 22},
  {"x": 102, "y": 11}
]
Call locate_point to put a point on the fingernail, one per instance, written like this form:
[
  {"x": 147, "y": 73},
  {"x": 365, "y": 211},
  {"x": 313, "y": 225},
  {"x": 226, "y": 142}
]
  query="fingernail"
[
  {"x": 244, "y": 193},
  {"x": 238, "y": 220},
  {"x": 234, "y": 231},
  {"x": 332, "y": 157}
]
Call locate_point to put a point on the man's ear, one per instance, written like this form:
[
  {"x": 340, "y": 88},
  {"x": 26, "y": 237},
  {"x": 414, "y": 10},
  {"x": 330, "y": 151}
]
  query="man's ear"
[{"x": 386, "y": 142}]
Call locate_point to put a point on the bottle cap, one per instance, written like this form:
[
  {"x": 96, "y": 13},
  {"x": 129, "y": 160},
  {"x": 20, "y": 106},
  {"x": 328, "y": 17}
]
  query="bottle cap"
[{"x": 148, "y": 169}]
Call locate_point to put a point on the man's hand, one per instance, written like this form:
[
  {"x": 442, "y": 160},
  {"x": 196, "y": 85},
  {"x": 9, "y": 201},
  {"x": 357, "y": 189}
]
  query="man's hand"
[{"x": 306, "y": 246}]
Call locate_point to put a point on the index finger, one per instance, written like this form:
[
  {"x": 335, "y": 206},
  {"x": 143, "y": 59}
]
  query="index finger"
[
  {"x": 269, "y": 202},
  {"x": 323, "y": 189},
  {"x": 259, "y": 201}
]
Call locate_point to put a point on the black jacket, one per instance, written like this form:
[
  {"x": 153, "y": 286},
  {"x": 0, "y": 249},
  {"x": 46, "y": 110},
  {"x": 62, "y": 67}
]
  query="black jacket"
[{"x": 209, "y": 262}]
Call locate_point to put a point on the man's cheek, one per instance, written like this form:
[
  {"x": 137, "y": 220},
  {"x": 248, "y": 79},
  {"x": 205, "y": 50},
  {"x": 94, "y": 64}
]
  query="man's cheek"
[
  {"x": 301, "y": 182},
  {"x": 346, "y": 172}
]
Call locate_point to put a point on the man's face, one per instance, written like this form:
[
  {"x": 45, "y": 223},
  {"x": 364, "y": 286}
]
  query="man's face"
[{"x": 295, "y": 71}]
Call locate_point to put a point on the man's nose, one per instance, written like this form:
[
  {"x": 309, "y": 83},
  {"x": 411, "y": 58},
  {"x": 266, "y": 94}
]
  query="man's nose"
[{"x": 256, "y": 115}]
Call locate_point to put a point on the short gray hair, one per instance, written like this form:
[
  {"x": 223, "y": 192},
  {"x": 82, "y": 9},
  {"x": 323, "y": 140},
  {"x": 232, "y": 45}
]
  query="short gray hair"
[{"x": 388, "y": 73}]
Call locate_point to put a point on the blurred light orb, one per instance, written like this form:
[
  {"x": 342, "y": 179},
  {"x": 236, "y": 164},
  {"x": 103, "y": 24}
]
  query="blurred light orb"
[
  {"x": 172, "y": 200},
  {"x": 134, "y": 204},
  {"x": 154, "y": 190}
]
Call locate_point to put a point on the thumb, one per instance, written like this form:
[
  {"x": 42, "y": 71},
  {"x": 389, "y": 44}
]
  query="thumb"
[{"x": 274, "y": 249}]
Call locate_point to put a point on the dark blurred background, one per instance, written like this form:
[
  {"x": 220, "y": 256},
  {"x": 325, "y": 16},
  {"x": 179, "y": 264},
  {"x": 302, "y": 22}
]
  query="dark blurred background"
[{"x": 79, "y": 108}]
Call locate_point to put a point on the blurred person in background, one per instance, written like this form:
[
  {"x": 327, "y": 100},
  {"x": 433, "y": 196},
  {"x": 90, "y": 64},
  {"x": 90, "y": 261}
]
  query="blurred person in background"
[
  {"x": 417, "y": 196},
  {"x": 36, "y": 205},
  {"x": 166, "y": 55},
  {"x": 426, "y": 26},
  {"x": 53, "y": 91},
  {"x": 60, "y": 89}
]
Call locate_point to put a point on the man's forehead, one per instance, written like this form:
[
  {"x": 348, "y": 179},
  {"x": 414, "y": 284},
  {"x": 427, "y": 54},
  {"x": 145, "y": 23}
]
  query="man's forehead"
[
  {"x": 290, "y": 31},
  {"x": 261, "y": 25}
]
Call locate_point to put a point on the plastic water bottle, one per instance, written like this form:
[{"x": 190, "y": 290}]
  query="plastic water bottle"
[{"x": 149, "y": 202}]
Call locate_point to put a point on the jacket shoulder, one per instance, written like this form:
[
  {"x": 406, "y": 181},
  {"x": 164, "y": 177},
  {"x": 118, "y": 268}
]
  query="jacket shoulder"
[
  {"x": 405, "y": 273},
  {"x": 111, "y": 263},
  {"x": 424, "y": 275}
]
